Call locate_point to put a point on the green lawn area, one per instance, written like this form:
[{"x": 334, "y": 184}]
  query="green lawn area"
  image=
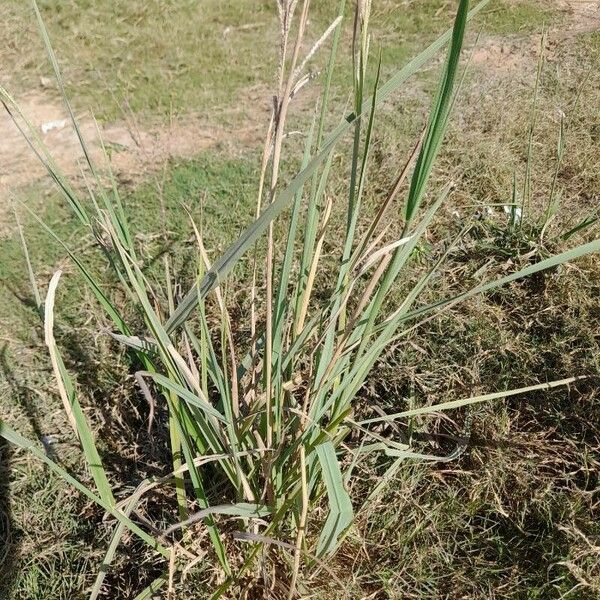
[{"x": 161, "y": 58}]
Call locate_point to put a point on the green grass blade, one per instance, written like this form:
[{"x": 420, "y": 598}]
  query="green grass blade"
[
  {"x": 425, "y": 410},
  {"x": 282, "y": 300},
  {"x": 69, "y": 397},
  {"x": 149, "y": 593},
  {"x": 197, "y": 483},
  {"x": 329, "y": 74},
  {"x": 120, "y": 529},
  {"x": 587, "y": 222},
  {"x": 361, "y": 368},
  {"x": 438, "y": 119},
  {"x": 185, "y": 394},
  {"x": 401, "y": 257},
  {"x": 543, "y": 265},
  {"x": 340, "y": 507},
  {"x": 61, "y": 86},
  {"x": 117, "y": 217},
  {"x": 34, "y": 286}
]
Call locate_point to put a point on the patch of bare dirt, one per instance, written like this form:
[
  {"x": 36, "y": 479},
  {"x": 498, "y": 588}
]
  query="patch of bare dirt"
[
  {"x": 506, "y": 55},
  {"x": 501, "y": 56},
  {"x": 134, "y": 151},
  {"x": 582, "y": 15}
]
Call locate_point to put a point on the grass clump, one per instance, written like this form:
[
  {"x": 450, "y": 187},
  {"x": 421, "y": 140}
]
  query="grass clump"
[{"x": 263, "y": 421}]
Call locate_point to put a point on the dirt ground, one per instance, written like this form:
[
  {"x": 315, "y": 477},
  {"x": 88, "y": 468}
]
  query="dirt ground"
[{"x": 133, "y": 149}]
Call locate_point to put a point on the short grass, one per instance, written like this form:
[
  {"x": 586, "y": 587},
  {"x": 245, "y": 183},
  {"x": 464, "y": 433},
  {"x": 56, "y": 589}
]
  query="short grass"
[
  {"x": 517, "y": 515},
  {"x": 162, "y": 58},
  {"x": 508, "y": 17}
]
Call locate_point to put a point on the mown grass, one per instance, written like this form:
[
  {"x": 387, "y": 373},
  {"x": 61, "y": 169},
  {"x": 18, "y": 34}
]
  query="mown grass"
[
  {"x": 525, "y": 16},
  {"x": 117, "y": 57},
  {"x": 532, "y": 469},
  {"x": 115, "y": 53}
]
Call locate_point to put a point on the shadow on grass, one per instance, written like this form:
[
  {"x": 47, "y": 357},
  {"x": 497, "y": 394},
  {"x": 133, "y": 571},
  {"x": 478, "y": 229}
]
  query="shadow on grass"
[
  {"x": 91, "y": 533},
  {"x": 8, "y": 542}
]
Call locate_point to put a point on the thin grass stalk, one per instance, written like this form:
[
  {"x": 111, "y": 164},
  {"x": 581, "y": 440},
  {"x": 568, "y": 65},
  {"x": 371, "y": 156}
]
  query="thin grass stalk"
[
  {"x": 283, "y": 105},
  {"x": 281, "y": 304},
  {"x": 174, "y": 437},
  {"x": 526, "y": 199}
]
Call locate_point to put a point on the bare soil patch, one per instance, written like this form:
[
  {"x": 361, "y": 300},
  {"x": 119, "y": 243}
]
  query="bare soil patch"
[
  {"x": 582, "y": 16},
  {"x": 501, "y": 56},
  {"x": 134, "y": 150},
  {"x": 507, "y": 55}
]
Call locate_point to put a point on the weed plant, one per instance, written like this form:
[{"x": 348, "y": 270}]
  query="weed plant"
[{"x": 264, "y": 431}]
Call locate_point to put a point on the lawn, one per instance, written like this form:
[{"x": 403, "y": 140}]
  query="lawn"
[{"x": 515, "y": 514}]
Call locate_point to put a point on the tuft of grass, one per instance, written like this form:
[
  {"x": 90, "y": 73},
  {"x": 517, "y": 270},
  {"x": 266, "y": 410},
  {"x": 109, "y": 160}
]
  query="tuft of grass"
[{"x": 333, "y": 483}]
